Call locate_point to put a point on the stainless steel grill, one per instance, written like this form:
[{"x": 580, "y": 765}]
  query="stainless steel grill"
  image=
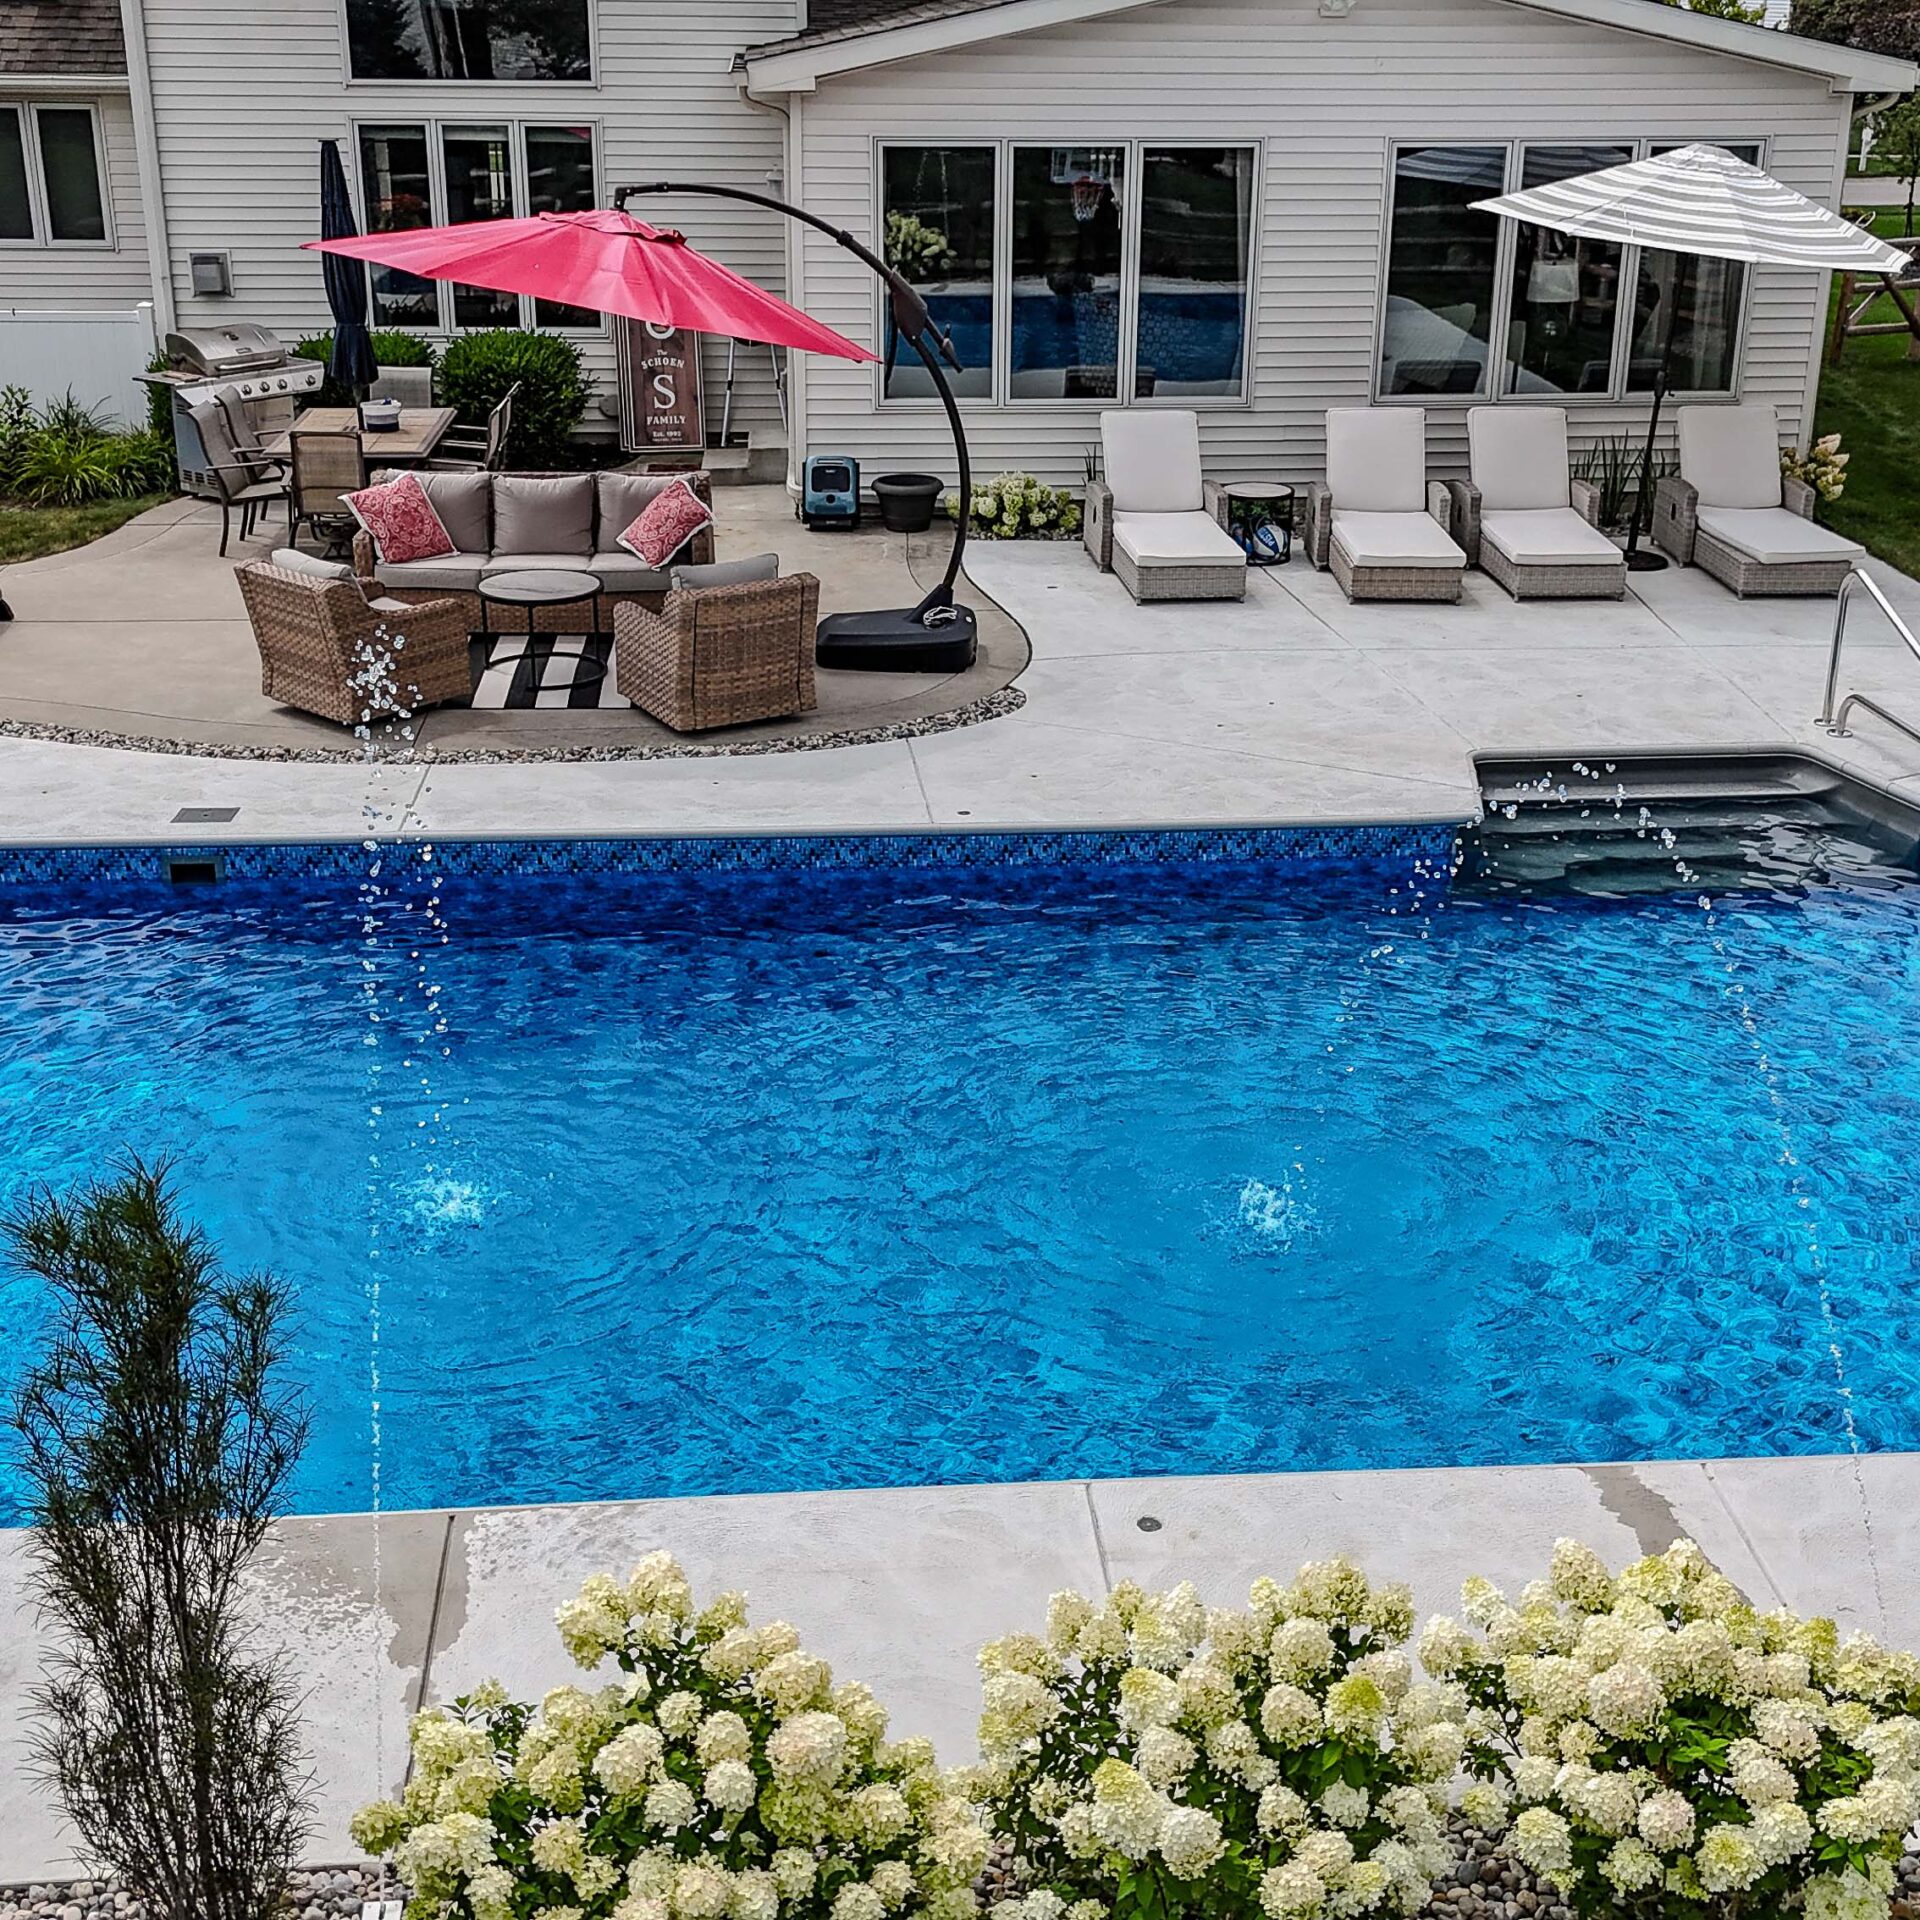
[{"x": 249, "y": 359}]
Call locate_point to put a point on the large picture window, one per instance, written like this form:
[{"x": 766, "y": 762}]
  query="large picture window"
[
  {"x": 938, "y": 236},
  {"x": 1075, "y": 272},
  {"x": 435, "y": 174},
  {"x": 1476, "y": 306},
  {"x": 50, "y": 187},
  {"x": 469, "y": 40}
]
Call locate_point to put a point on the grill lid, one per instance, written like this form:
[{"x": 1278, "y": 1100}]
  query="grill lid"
[{"x": 238, "y": 348}]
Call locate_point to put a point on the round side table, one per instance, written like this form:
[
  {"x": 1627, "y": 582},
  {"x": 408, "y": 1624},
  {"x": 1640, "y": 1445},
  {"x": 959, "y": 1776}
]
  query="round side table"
[
  {"x": 1260, "y": 518},
  {"x": 538, "y": 587}
]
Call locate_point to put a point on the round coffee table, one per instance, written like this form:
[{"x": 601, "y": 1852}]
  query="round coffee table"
[{"x": 533, "y": 589}]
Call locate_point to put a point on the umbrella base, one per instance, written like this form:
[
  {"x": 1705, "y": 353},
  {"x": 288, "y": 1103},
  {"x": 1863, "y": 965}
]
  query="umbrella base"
[
  {"x": 892, "y": 640},
  {"x": 1644, "y": 560}
]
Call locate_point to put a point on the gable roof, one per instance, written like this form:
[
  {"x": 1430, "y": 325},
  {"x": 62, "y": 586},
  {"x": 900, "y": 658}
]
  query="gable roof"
[
  {"x": 59, "y": 37},
  {"x": 843, "y": 36}
]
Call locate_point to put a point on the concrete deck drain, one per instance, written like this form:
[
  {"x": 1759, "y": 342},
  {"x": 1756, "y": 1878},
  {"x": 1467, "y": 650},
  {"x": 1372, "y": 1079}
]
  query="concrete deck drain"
[{"x": 204, "y": 816}]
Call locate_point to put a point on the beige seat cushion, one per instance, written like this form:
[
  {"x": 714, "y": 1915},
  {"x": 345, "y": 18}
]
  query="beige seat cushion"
[
  {"x": 543, "y": 514},
  {"x": 1775, "y": 537},
  {"x": 1395, "y": 540},
  {"x": 622, "y": 572},
  {"x": 539, "y": 563},
  {"x": 1151, "y": 457},
  {"x": 1377, "y": 459},
  {"x": 1175, "y": 540},
  {"x": 1548, "y": 537},
  {"x": 449, "y": 573},
  {"x": 1519, "y": 457},
  {"x": 1731, "y": 454}
]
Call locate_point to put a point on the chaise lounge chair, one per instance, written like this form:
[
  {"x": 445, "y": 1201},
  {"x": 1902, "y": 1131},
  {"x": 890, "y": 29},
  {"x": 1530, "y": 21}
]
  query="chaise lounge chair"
[
  {"x": 1523, "y": 519},
  {"x": 1154, "y": 520},
  {"x": 1375, "y": 520},
  {"x": 1733, "y": 512}
]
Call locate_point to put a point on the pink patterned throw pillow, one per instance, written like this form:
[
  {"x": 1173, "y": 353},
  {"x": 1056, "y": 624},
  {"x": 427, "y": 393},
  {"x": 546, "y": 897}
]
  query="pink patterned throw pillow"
[
  {"x": 402, "y": 521},
  {"x": 666, "y": 523}
]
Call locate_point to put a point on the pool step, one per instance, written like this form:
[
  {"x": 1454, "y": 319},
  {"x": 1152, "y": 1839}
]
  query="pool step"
[{"x": 1635, "y": 824}]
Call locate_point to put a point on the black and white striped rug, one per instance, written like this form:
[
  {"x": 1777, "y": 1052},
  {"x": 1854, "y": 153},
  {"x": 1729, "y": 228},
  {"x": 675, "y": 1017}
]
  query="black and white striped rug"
[{"x": 548, "y": 670}]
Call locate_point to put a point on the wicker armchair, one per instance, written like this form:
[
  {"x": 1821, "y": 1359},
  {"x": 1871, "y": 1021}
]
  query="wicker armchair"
[
  {"x": 1730, "y": 510},
  {"x": 720, "y": 656},
  {"x": 325, "y": 649}
]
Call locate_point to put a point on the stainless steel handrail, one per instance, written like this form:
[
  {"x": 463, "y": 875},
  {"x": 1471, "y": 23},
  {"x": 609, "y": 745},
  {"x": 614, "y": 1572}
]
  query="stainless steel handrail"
[{"x": 1836, "y": 723}]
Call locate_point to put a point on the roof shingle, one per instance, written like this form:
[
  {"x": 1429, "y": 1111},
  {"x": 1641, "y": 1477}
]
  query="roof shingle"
[
  {"x": 829, "y": 20},
  {"x": 61, "y": 37}
]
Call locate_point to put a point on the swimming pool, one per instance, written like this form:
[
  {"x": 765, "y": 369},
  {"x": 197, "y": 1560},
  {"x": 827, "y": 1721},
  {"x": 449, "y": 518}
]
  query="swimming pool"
[{"x": 707, "y": 1183}]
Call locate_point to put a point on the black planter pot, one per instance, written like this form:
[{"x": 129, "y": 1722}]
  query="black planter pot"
[{"x": 907, "y": 500}]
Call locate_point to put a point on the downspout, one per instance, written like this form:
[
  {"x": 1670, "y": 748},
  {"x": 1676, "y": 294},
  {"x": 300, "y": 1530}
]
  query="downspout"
[
  {"x": 146, "y": 146},
  {"x": 795, "y": 239}
]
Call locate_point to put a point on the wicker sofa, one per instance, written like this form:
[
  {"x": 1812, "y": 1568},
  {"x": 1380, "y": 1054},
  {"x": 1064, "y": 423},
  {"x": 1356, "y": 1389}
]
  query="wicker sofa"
[
  {"x": 1730, "y": 510},
  {"x": 327, "y": 649},
  {"x": 508, "y": 522}
]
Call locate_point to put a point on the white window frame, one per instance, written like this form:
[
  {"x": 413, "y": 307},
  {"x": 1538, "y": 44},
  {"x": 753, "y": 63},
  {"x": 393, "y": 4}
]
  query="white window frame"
[
  {"x": 1620, "y": 391},
  {"x": 29, "y": 112},
  {"x": 434, "y": 127},
  {"x": 1133, "y": 152},
  {"x": 591, "y": 84}
]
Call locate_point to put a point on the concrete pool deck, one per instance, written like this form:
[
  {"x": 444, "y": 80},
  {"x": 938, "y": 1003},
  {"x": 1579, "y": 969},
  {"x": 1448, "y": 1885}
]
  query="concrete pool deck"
[
  {"x": 1292, "y": 707},
  {"x": 899, "y": 1587}
]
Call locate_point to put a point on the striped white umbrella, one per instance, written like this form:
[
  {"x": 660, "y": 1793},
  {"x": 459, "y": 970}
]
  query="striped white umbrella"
[{"x": 1701, "y": 199}]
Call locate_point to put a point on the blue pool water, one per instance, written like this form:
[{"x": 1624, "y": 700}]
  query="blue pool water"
[{"x": 703, "y": 1184}]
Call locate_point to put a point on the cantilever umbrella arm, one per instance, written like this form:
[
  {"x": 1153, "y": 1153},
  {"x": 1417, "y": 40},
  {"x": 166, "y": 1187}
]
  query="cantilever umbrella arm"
[{"x": 911, "y": 320}]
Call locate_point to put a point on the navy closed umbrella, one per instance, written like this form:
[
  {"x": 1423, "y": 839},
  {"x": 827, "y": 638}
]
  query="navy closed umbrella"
[{"x": 351, "y": 362}]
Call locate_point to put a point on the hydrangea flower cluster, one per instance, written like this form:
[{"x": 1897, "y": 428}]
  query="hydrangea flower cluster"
[
  {"x": 724, "y": 1776},
  {"x": 1016, "y": 506},
  {"x": 1149, "y": 1757},
  {"x": 1655, "y": 1746},
  {"x": 1823, "y": 466}
]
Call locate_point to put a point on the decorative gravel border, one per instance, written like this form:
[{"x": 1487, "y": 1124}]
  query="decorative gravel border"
[{"x": 989, "y": 706}]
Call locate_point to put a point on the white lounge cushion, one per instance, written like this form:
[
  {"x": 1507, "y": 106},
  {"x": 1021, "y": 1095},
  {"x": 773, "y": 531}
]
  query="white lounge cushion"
[
  {"x": 1152, "y": 459},
  {"x": 1731, "y": 454},
  {"x": 449, "y": 573},
  {"x": 1548, "y": 537},
  {"x": 1377, "y": 459},
  {"x": 1176, "y": 539},
  {"x": 1775, "y": 537},
  {"x": 1519, "y": 457},
  {"x": 1395, "y": 540}
]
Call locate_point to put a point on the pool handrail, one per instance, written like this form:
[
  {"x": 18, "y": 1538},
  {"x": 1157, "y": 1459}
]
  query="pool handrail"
[{"x": 1836, "y": 723}]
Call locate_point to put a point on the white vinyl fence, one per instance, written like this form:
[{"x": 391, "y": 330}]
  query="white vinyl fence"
[{"x": 94, "y": 351}]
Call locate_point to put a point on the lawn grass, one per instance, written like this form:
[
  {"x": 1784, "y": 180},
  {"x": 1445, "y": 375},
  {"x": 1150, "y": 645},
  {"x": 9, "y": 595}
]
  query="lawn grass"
[
  {"x": 28, "y": 532},
  {"x": 1872, "y": 400}
]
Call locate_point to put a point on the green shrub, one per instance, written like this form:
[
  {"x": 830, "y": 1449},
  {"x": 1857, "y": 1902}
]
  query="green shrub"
[
  {"x": 160, "y": 399},
  {"x": 18, "y": 424},
  {"x": 554, "y": 388},
  {"x": 65, "y": 455},
  {"x": 391, "y": 348}
]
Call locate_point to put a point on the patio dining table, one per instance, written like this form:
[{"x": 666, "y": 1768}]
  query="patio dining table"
[{"x": 421, "y": 429}]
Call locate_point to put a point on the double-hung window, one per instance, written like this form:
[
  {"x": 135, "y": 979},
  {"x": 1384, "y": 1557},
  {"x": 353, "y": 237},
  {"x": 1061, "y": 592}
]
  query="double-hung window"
[
  {"x": 444, "y": 173},
  {"x": 51, "y": 191},
  {"x": 1075, "y": 272},
  {"x": 1481, "y": 308},
  {"x": 469, "y": 39}
]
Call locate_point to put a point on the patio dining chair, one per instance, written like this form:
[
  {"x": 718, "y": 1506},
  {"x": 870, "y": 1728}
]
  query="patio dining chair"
[
  {"x": 1731, "y": 511},
  {"x": 411, "y": 386},
  {"x": 247, "y": 480},
  {"x": 1523, "y": 518},
  {"x": 478, "y": 449},
  {"x": 327, "y": 466}
]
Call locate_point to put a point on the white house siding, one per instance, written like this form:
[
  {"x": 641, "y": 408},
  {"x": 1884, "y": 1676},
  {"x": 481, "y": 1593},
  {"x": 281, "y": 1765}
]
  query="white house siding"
[
  {"x": 1327, "y": 97},
  {"x": 62, "y": 278},
  {"x": 244, "y": 94}
]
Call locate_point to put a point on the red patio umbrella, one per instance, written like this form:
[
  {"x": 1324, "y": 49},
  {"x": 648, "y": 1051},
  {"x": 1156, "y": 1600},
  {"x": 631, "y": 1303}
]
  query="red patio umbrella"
[{"x": 605, "y": 260}]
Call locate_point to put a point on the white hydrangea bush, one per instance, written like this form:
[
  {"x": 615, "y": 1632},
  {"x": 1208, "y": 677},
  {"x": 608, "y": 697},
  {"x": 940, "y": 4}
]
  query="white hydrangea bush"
[
  {"x": 1016, "y": 506},
  {"x": 1148, "y": 1757},
  {"x": 1653, "y": 1745},
  {"x": 723, "y": 1776}
]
